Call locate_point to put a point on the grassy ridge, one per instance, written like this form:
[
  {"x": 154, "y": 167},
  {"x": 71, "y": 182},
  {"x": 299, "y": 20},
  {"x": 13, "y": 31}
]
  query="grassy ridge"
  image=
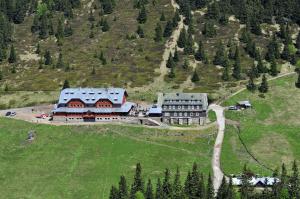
[
  {"x": 270, "y": 130},
  {"x": 84, "y": 161}
]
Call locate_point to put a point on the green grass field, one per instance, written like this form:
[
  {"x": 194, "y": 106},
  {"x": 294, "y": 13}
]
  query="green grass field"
[
  {"x": 271, "y": 130},
  {"x": 84, "y": 161}
]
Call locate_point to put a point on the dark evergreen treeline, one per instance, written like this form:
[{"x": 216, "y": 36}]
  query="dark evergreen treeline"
[{"x": 196, "y": 186}]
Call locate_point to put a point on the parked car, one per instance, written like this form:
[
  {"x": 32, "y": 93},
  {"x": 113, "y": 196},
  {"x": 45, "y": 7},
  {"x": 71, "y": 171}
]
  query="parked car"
[
  {"x": 7, "y": 113},
  {"x": 10, "y": 114},
  {"x": 13, "y": 114},
  {"x": 232, "y": 108},
  {"x": 42, "y": 116}
]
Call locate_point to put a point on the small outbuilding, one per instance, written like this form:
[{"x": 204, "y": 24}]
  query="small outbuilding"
[
  {"x": 154, "y": 111},
  {"x": 244, "y": 104}
]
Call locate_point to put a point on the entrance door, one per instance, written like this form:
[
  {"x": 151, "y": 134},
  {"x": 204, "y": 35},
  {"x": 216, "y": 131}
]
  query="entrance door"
[{"x": 89, "y": 119}]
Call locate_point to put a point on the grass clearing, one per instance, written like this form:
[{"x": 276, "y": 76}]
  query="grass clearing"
[
  {"x": 84, "y": 161},
  {"x": 270, "y": 130}
]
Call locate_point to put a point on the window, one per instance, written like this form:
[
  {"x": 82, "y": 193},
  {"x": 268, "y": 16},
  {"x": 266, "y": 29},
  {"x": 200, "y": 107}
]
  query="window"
[
  {"x": 185, "y": 114},
  {"x": 180, "y": 114},
  {"x": 179, "y": 107},
  {"x": 167, "y": 114},
  {"x": 191, "y": 114},
  {"x": 175, "y": 114},
  {"x": 197, "y": 114}
]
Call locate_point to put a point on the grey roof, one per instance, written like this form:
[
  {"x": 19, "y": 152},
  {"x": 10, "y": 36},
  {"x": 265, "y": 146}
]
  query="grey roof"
[
  {"x": 92, "y": 95},
  {"x": 123, "y": 109},
  {"x": 184, "y": 99},
  {"x": 155, "y": 110}
]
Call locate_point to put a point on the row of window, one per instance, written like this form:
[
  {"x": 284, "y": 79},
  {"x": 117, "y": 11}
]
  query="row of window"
[
  {"x": 189, "y": 101},
  {"x": 180, "y": 107},
  {"x": 82, "y": 106},
  {"x": 180, "y": 114}
]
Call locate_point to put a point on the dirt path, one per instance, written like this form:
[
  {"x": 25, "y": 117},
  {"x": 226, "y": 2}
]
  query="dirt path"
[
  {"x": 217, "y": 172},
  {"x": 169, "y": 48}
]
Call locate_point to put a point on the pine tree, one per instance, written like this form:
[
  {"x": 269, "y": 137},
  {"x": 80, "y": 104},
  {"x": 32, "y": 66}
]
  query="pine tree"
[
  {"x": 149, "y": 191},
  {"x": 162, "y": 17},
  {"x": 195, "y": 77},
  {"x": 123, "y": 189},
  {"x": 60, "y": 29},
  {"x": 44, "y": 28},
  {"x": 1, "y": 75},
  {"x": 230, "y": 190},
  {"x": 48, "y": 58},
  {"x": 35, "y": 24},
  {"x": 158, "y": 33},
  {"x": 176, "y": 55},
  {"x": 140, "y": 32},
  {"x": 113, "y": 193},
  {"x": 60, "y": 62},
  {"x": 200, "y": 3},
  {"x": 237, "y": 65},
  {"x": 142, "y": 17},
  {"x": 263, "y": 88},
  {"x": 273, "y": 70},
  {"x": 172, "y": 73},
  {"x": 210, "y": 189},
  {"x": 170, "y": 62},
  {"x": 138, "y": 183},
  {"x": 297, "y": 84},
  {"x": 182, "y": 38},
  {"x": 168, "y": 29},
  {"x": 12, "y": 55},
  {"x": 68, "y": 31},
  {"x": 195, "y": 176},
  {"x": 66, "y": 85},
  {"x": 188, "y": 186},
  {"x": 177, "y": 188}
]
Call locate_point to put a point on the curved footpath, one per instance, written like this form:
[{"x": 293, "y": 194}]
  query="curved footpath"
[{"x": 217, "y": 172}]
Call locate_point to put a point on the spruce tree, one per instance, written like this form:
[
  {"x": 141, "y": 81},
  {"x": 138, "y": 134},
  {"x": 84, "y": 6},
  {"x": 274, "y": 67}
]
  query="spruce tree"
[
  {"x": 1, "y": 75},
  {"x": 44, "y": 28},
  {"x": 195, "y": 176},
  {"x": 60, "y": 62},
  {"x": 298, "y": 44},
  {"x": 182, "y": 38},
  {"x": 140, "y": 32},
  {"x": 159, "y": 194},
  {"x": 105, "y": 26},
  {"x": 237, "y": 65},
  {"x": 297, "y": 84},
  {"x": 222, "y": 191},
  {"x": 286, "y": 53},
  {"x": 172, "y": 73},
  {"x": 251, "y": 85},
  {"x": 149, "y": 191},
  {"x": 38, "y": 49},
  {"x": 225, "y": 74},
  {"x": 294, "y": 188},
  {"x": 195, "y": 77},
  {"x": 220, "y": 55},
  {"x": 142, "y": 17},
  {"x": 189, "y": 45},
  {"x": 114, "y": 193},
  {"x": 123, "y": 189},
  {"x": 138, "y": 183},
  {"x": 177, "y": 188},
  {"x": 209, "y": 29},
  {"x": 263, "y": 88},
  {"x": 162, "y": 17},
  {"x": 158, "y": 33},
  {"x": 246, "y": 188},
  {"x": 60, "y": 29},
  {"x": 66, "y": 85},
  {"x": 200, "y": 54},
  {"x": 230, "y": 190},
  {"x": 210, "y": 189},
  {"x": 168, "y": 29},
  {"x": 273, "y": 70},
  {"x": 176, "y": 55},
  {"x": 48, "y": 58},
  {"x": 186, "y": 64},
  {"x": 167, "y": 186},
  {"x": 170, "y": 62},
  {"x": 12, "y": 55}
]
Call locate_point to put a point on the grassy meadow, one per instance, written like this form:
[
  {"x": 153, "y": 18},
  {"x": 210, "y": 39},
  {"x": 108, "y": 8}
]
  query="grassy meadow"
[
  {"x": 84, "y": 161},
  {"x": 271, "y": 130}
]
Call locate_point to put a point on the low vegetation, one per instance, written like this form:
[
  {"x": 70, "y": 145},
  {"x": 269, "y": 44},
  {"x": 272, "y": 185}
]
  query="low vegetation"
[
  {"x": 84, "y": 161},
  {"x": 269, "y": 130}
]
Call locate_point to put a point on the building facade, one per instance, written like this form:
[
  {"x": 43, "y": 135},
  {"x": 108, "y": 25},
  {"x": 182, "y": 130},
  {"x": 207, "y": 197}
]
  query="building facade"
[
  {"x": 92, "y": 105},
  {"x": 184, "y": 108}
]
